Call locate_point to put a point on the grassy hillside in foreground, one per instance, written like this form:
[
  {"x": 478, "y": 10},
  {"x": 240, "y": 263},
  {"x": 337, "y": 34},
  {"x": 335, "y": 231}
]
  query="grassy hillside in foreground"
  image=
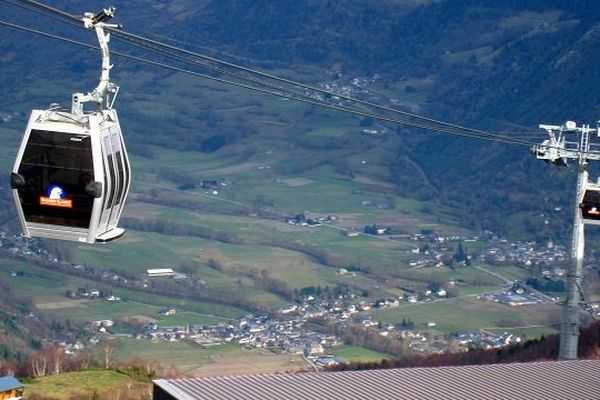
[{"x": 84, "y": 384}]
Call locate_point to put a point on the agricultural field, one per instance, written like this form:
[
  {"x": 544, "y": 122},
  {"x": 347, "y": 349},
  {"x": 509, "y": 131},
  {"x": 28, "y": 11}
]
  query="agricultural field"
[
  {"x": 232, "y": 234},
  {"x": 242, "y": 229},
  {"x": 229, "y": 359},
  {"x": 46, "y": 291},
  {"x": 250, "y": 363},
  {"x": 468, "y": 314},
  {"x": 359, "y": 354}
]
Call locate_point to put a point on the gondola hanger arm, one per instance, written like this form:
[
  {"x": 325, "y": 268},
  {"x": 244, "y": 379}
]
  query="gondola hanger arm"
[{"x": 104, "y": 94}]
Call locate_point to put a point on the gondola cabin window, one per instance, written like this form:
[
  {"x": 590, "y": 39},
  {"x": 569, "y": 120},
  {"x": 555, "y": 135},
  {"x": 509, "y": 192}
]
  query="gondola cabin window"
[
  {"x": 590, "y": 205},
  {"x": 57, "y": 168}
]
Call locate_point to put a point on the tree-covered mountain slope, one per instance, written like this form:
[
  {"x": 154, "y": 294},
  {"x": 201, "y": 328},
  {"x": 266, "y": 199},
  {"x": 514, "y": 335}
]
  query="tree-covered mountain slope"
[{"x": 494, "y": 65}]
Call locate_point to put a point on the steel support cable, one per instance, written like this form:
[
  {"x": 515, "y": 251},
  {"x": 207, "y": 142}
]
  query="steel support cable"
[
  {"x": 120, "y": 34},
  {"x": 458, "y": 128},
  {"x": 288, "y": 91},
  {"x": 278, "y": 94},
  {"x": 51, "y": 10},
  {"x": 170, "y": 54},
  {"x": 39, "y": 12},
  {"x": 314, "y": 102},
  {"x": 164, "y": 52},
  {"x": 75, "y": 21},
  {"x": 205, "y": 65}
]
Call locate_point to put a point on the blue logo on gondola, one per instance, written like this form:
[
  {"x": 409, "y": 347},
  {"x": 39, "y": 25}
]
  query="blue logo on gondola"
[
  {"x": 55, "y": 192},
  {"x": 56, "y": 197}
]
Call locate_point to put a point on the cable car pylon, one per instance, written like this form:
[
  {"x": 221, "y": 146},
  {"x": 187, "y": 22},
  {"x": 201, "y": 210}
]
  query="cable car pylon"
[
  {"x": 557, "y": 150},
  {"x": 72, "y": 174}
]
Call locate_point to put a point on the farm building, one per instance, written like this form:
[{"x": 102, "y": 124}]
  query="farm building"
[
  {"x": 540, "y": 380},
  {"x": 157, "y": 272},
  {"x": 10, "y": 388}
]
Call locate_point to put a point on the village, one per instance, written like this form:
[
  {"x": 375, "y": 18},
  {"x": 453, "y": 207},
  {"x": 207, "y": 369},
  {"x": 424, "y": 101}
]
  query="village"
[
  {"x": 292, "y": 331},
  {"x": 299, "y": 328}
]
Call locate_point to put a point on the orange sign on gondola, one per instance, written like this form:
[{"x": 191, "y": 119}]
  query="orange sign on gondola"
[
  {"x": 56, "y": 197},
  {"x": 64, "y": 203}
]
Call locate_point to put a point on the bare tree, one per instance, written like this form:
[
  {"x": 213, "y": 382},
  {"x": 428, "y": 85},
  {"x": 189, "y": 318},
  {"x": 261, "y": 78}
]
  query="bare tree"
[
  {"x": 56, "y": 359},
  {"x": 83, "y": 360},
  {"x": 152, "y": 366},
  {"x": 172, "y": 372},
  {"x": 37, "y": 364},
  {"x": 108, "y": 348},
  {"x": 8, "y": 368}
]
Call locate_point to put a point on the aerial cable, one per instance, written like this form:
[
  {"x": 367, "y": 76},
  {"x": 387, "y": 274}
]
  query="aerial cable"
[
  {"x": 265, "y": 91},
  {"x": 132, "y": 37},
  {"x": 42, "y": 13},
  {"x": 288, "y": 91},
  {"x": 73, "y": 20},
  {"x": 221, "y": 71},
  {"x": 121, "y": 34},
  {"x": 52, "y": 10},
  {"x": 412, "y": 121},
  {"x": 291, "y": 97}
]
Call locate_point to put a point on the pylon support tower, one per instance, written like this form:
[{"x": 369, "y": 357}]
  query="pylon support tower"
[{"x": 558, "y": 150}]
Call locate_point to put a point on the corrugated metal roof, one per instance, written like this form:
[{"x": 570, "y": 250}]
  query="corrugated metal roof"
[
  {"x": 578, "y": 379},
  {"x": 9, "y": 383}
]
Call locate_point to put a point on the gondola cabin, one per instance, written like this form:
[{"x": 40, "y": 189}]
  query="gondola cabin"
[
  {"x": 71, "y": 176},
  {"x": 590, "y": 204}
]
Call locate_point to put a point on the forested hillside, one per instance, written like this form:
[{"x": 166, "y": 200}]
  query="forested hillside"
[{"x": 495, "y": 65}]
